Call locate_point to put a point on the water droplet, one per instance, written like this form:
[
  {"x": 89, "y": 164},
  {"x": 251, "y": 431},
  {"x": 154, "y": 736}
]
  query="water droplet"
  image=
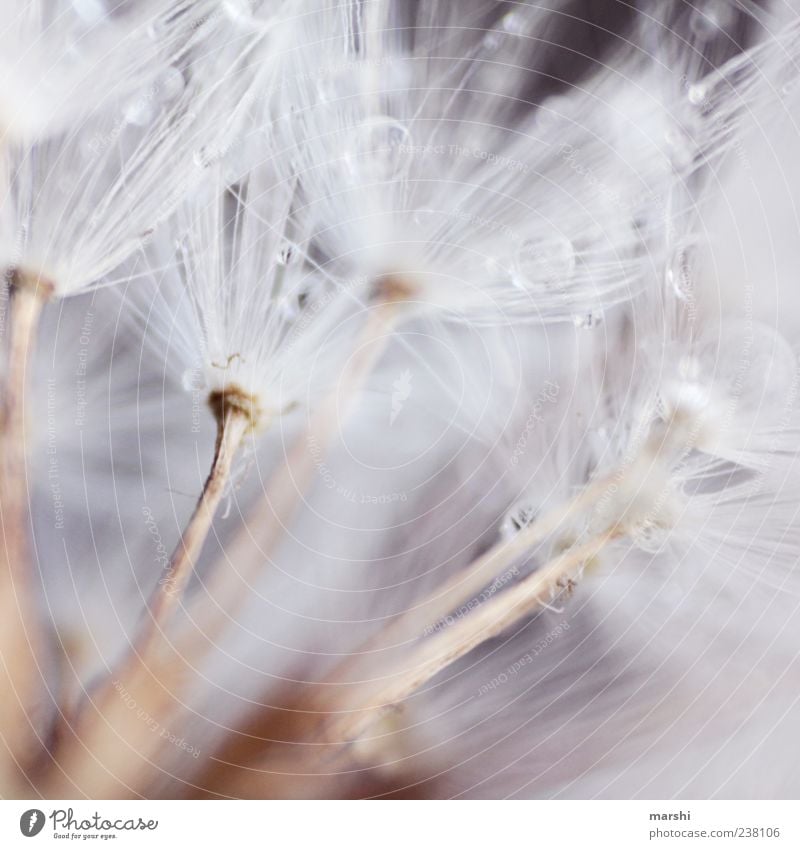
[
  {"x": 544, "y": 262},
  {"x": 193, "y": 380},
  {"x": 493, "y": 266},
  {"x": 285, "y": 254},
  {"x": 169, "y": 85},
  {"x": 517, "y": 518},
  {"x": 513, "y": 22},
  {"x": 249, "y": 13},
  {"x": 206, "y": 156},
  {"x": 156, "y": 29},
  {"x": 697, "y": 94},
  {"x": 684, "y": 398},
  {"x": 678, "y": 274},
  {"x": 491, "y": 41},
  {"x": 651, "y": 537},
  {"x": 380, "y": 149},
  {"x": 682, "y": 148},
  {"x": 311, "y": 291},
  {"x": 754, "y": 366},
  {"x": 141, "y": 110},
  {"x": 587, "y": 320},
  {"x": 288, "y": 309},
  {"x": 90, "y": 11},
  {"x": 710, "y": 21},
  {"x": 243, "y": 156}
]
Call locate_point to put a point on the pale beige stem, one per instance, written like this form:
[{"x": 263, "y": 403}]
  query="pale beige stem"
[
  {"x": 466, "y": 584},
  {"x": 22, "y": 637},
  {"x": 231, "y": 429},
  {"x": 154, "y": 675},
  {"x": 487, "y": 621},
  {"x": 104, "y": 721},
  {"x": 244, "y": 557}
]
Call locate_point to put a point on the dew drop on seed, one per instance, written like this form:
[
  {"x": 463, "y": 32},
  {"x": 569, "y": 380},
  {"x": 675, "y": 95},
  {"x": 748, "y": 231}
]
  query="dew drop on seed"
[
  {"x": 90, "y": 11},
  {"x": 288, "y": 309},
  {"x": 169, "y": 85},
  {"x": 285, "y": 254},
  {"x": 205, "y": 157},
  {"x": 678, "y": 274},
  {"x": 491, "y": 41},
  {"x": 754, "y": 367},
  {"x": 686, "y": 397},
  {"x": 156, "y": 29},
  {"x": 310, "y": 293},
  {"x": 587, "y": 320},
  {"x": 711, "y": 20},
  {"x": 682, "y": 148},
  {"x": 651, "y": 537},
  {"x": 248, "y": 13},
  {"x": 380, "y": 149},
  {"x": 517, "y": 518},
  {"x": 141, "y": 110},
  {"x": 192, "y": 380},
  {"x": 697, "y": 94},
  {"x": 243, "y": 156},
  {"x": 493, "y": 266},
  {"x": 513, "y": 22},
  {"x": 544, "y": 262}
]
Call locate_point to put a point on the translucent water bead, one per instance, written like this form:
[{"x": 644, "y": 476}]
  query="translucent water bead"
[
  {"x": 142, "y": 109},
  {"x": 678, "y": 275},
  {"x": 681, "y": 147},
  {"x": 547, "y": 262},
  {"x": 91, "y": 11},
  {"x": 517, "y": 518},
  {"x": 379, "y": 149},
  {"x": 587, "y": 320},
  {"x": 249, "y": 13},
  {"x": 754, "y": 367},
  {"x": 194, "y": 380},
  {"x": 169, "y": 86},
  {"x": 710, "y": 20},
  {"x": 146, "y": 106}
]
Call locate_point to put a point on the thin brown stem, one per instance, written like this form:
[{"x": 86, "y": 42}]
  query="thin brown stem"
[
  {"x": 138, "y": 670},
  {"x": 231, "y": 429},
  {"x": 467, "y": 583},
  {"x": 22, "y": 638},
  {"x": 488, "y": 620},
  {"x": 155, "y": 673},
  {"x": 249, "y": 550}
]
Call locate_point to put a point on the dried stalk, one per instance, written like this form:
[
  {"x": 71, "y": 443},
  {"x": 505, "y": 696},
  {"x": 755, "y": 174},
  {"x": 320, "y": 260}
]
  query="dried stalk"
[
  {"x": 487, "y": 621},
  {"x": 465, "y": 584},
  {"x": 154, "y": 674},
  {"x": 22, "y": 636},
  {"x": 232, "y": 426},
  {"x": 259, "y": 534}
]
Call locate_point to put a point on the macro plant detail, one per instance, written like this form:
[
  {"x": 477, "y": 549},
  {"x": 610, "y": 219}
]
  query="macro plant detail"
[{"x": 400, "y": 399}]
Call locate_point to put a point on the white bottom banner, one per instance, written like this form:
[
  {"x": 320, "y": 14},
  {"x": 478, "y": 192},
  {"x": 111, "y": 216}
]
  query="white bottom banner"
[{"x": 418, "y": 825}]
